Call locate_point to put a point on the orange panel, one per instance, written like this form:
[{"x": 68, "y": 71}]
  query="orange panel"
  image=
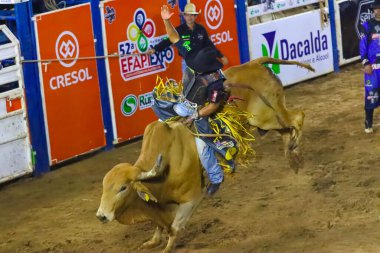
[
  {"x": 131, "y": 28},
  {"x": 219, "y": 19},
  {"x": 70, "y": 86},
  {"x": 13, "y": 104}
]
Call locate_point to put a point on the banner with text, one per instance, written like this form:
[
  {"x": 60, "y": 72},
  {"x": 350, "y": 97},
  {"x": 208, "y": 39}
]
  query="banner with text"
[
  {"x": 218, "y": 17},
  {"x": 130, "y": 31},
  {"x": 311, "y": 44},
  {"x": 70, "y": 87}
]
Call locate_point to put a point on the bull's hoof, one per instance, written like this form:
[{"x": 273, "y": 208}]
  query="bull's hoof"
[
  {"x": 212, "y": 189},
  {"x": 149, "y": 244},
  {"x": 296, "y": 161},
  {"x": 292, "y": 146}
]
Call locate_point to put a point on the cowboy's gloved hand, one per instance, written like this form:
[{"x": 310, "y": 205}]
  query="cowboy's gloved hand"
[{"x": 189, "y": 120}]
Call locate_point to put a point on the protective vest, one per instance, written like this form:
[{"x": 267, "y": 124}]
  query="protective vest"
[{"x": 197, "y": 93}]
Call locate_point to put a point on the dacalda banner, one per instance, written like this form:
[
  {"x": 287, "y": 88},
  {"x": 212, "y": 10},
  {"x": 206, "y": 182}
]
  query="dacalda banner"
[
  {"x": 131, "y": 28},
  {"x": 312, "y": 44}
]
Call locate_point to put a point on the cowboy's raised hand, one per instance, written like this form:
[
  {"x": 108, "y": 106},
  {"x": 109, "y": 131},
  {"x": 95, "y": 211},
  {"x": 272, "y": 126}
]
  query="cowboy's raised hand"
[{"x": 165, "y": 12}]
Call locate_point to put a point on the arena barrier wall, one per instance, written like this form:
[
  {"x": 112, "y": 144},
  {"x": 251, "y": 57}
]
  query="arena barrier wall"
[
  {"x": 109, "y": 98},
  {"x": 15, "y": 149}
]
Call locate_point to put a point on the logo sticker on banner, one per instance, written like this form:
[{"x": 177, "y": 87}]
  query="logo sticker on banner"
[
  {"x": 67, "y": 52},
  {"x": 67, "y": 46},
  {"x": 172, "y": 3},
  {"x": 129, "y": 105},
  {"x": 220, "y": 22},
  {"x": 146, "y": 101},
  {"x": 140, "y": 34},
  {"x": 271, "y": 49},
  {"x": 214, "y": 14},
  {"x": 110, "y": 14}
]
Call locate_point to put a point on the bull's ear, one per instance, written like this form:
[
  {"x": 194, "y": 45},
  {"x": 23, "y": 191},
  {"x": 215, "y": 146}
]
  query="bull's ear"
[{"x": 143, "y": 192}]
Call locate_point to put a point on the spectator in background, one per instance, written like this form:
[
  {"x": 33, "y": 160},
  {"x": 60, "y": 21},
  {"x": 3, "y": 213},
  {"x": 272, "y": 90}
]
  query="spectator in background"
[
  {"x": 369, "y": 48},
  {"x": 194, "y": 34}
]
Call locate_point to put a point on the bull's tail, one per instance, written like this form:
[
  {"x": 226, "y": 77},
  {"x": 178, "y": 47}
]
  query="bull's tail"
[{"x": 270, "y": 60}]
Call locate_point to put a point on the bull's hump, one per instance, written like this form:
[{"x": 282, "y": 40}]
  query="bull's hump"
[{"x": 175, "y": 124}]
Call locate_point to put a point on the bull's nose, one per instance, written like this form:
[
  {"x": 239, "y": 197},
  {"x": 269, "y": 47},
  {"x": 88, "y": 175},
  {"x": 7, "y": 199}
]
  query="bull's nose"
[{"x": 102, "y": 218}]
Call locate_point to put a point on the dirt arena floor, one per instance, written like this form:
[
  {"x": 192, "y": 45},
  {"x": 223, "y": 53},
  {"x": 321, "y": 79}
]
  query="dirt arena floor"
[{"x": 331, "y": 205}]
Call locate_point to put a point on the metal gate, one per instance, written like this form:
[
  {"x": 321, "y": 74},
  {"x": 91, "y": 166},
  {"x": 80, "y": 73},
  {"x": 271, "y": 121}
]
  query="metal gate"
[{"x": 15, "y": 149}]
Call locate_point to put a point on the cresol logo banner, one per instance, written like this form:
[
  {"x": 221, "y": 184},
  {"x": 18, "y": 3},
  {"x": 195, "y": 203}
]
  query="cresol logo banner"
[{"x": 297, "y": 38}]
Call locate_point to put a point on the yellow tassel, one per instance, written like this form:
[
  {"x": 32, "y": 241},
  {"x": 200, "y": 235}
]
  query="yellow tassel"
[
  {"x": 235, "y": 122},
  {"x": 167, "y": 90}
]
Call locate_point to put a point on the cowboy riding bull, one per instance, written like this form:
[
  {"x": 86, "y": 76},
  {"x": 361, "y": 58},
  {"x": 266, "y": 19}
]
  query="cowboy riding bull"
[{"x": 169, "y": 193}]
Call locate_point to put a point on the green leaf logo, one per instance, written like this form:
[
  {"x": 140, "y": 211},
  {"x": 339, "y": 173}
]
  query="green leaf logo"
[
  {"x": 129, "y": 105},
  {"x": 271, "y": 50}
]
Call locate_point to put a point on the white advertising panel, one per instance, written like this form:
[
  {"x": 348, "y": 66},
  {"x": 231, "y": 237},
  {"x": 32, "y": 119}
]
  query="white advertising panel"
[
  {"x": 267, "y": 7},
  {"x": 296, "y": 38},
  {"x": 12, "y": 1}
]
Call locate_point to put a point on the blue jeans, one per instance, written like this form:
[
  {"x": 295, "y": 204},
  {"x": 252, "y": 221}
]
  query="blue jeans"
[
  {"x": 209, "y": 161},
  {"x": 163, "y": 109},
  {"x": 222, "y": 145},
  {"x": 372, "y": 88},
  {"x": 205, "y": 146}
]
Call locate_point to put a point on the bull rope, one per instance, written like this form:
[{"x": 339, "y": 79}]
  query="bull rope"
[
  {"x": 209, "y": 135},
  {"x": 115, "y": 55}
]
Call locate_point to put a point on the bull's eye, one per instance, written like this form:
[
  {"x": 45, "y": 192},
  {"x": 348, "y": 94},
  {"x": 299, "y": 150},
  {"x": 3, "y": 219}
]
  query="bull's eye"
[{"x": 123, "y": 188}]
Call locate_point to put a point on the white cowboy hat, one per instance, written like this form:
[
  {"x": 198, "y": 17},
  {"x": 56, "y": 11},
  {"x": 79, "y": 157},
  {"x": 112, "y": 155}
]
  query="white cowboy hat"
[{"x": 191, "y": 9}]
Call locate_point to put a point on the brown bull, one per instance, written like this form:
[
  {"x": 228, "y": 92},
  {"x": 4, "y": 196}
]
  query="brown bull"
[
  {"x": 261, "y": 93},
  {"x": 131, "y": 194}
]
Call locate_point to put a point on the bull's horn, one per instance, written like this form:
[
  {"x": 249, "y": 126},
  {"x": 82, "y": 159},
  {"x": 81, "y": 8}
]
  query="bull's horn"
[{"x": 156, "y": 171}]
